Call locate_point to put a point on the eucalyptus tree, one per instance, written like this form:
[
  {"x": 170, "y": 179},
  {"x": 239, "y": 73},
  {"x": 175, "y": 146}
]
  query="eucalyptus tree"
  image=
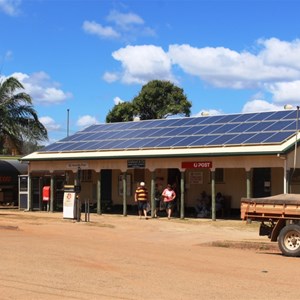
[
  {"x": 158, "y": 99},
  {"x": 19, "y": 123}
]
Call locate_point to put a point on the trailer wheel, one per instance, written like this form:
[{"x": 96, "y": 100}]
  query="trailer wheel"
[{"x": 289, "y": 240}]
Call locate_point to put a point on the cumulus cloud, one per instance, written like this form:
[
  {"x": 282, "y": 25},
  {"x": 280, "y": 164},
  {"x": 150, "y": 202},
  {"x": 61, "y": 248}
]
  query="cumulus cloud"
[
  {"x": 280, "y": 53},
  {"x": 86, "y": 121},
  {"x": 10, "y": 7},
  {"x": 284, "y": 92},
  {"x": 124, "y": 20},
  {"x": 260, "y": 105},
  {"x": 92, "y": 27},
  {"x": 222, "y": 67},
  {"x": 41, "y": 88},
  {"x": 110, "y": 77},
  {"x": 49, "y": 123},
  {"x": 124, "y": 26},
  {"x": 143, "y": 63},
  {"x": 274, "y": 66}
]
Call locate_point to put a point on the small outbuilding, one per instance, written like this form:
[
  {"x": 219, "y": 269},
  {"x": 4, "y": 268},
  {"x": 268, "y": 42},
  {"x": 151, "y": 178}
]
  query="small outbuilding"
[{"x": 10, "y": 170}]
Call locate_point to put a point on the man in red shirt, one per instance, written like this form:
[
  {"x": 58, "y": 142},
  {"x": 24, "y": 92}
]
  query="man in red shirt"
[{"x": 141, "y": 197}]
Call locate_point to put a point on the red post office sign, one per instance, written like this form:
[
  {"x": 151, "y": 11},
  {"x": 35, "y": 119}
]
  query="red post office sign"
[{"x": 196, "y": 165}]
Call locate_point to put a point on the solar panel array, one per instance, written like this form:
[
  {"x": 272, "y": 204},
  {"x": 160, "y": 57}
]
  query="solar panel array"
[{"x": 208, "y": 131}]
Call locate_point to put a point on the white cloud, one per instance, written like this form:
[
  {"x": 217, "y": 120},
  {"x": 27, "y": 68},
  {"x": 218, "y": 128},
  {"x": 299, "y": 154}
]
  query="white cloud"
[
  {"x": 125, "y": 26},
  {"x": 208, "y": 112},
  {"x": 110, "y": 77},
  {"x": 49, "y": 123},
  {"x": 86, "y": 121},
  {"x": 41, "y": 88},
  {"x": 222, "y": 67},
  {"x": 143, "y": 63},
  {"x": 285, "y": 92},
  {"x": 92, "y": 27},
  {"x": 260, "y": 105},
  {"x": 123, "y": 20},
  {"x": 280, "y": 53},
  {"x": 10, "y": 7},
  {"x": 118, "y": 100},
  {"x": 274, "y": 67}
]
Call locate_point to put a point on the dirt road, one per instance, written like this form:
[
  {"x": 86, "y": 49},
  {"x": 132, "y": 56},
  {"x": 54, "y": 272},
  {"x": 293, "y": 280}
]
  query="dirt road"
[{"x": 44, "y": 256}]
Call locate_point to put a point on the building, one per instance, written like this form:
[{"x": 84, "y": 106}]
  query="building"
[
  {"x": 239, "y": 155},
  {"x": 10, "y": 170}
]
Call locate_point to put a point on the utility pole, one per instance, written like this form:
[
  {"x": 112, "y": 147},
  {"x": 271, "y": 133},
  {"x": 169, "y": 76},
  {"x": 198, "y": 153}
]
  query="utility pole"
[{"x": 68, "y": 121}]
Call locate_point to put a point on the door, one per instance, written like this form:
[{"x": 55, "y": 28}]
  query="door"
[
  {"x": 174, "y": 177},
  {"x": 106, "y": 190},
  {"x": 261, "y": 182}
]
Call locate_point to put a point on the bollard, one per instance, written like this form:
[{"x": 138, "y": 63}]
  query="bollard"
[
  {"x": 86, "y": 210},
  {"x": 78, "y": 208}
]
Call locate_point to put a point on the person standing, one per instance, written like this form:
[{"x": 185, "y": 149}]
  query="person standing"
[
  {"x": 141, "y": 197},
  {"x": 169, "y": 195}
]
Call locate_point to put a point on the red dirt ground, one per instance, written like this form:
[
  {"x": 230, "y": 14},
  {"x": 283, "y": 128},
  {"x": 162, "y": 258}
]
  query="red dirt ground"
[{"x": 44, "y": 256}]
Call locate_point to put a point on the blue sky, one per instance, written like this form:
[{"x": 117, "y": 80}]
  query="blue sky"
[{"x": 87, "y": 55}]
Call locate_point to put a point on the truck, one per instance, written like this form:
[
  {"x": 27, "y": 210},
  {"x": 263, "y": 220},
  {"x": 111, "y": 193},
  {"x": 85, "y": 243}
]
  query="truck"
[{"x": 279, "y": 218}]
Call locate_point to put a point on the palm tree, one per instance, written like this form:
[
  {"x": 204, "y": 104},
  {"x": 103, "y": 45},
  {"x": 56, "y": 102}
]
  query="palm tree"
[{"x": 19, "y": 123}]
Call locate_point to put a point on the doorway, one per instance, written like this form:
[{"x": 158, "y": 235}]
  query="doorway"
[
  {"x": 261, "y": 182},
  {"x": 106, "y": 190}
]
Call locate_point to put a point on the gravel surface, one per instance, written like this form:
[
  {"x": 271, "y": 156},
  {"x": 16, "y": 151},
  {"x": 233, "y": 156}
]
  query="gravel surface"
[{"x": 44, "y": 256}]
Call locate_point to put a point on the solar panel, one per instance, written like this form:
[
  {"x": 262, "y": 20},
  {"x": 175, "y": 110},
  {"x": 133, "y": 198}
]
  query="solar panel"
[
  {"x": 169, "y": 142},
  {"x": 208, "y": 129},
  {"x": 243, "y": 118},
  {"x": 205, "y": 131},
  {"x": 221, "y": 140},
  {"x": 203, "y": 140},
  {"x": 291, "y": 126},
  {"x": 261, "y": 126},
  {"x": 258, "y": 138},
  {"x": 279, "y": 137},
  {"x": 259, "y": 116},
  {"x": 292, "y": 115},
  {"x": 240, "y": 128},
  {"x": 280, "y": 114},
  {"x": 239, "y": 139},
  {"x": 225, "y": 128},
  {"x": 279, "y": 125},
  {"x": 186, "y": 141}
]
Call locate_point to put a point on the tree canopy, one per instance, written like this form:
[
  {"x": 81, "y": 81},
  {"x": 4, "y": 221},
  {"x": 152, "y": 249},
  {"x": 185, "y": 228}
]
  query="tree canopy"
[
  {"x": 158, "y": 99},
  {"x": 19, "y": 123}
]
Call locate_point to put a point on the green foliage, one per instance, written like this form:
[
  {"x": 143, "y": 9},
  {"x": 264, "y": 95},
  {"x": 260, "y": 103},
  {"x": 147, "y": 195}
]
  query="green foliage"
[
  {"x": 18, "y": 119},
  {"x": 121, "y": 112},
  {"x": 157, "y": 100}
]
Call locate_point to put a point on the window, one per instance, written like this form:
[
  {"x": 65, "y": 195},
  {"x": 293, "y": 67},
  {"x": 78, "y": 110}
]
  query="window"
[
  {"x": 219, "y": 175},
  {"x": 86, "y": 175},
  {"x": 23, "y": 183}
]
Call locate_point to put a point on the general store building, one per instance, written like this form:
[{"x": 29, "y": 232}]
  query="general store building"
[{"x": 239, "y": 155}]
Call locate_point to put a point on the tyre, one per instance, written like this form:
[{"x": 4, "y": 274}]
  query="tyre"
[{"x": 289, "y": 240}]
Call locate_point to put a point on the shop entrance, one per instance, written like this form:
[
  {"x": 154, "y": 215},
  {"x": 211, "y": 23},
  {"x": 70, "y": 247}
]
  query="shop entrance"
[
  {"x": 261, "y": 182},
  {"x": 174, "y": 177},
  {"x": 106, "y": 187}
]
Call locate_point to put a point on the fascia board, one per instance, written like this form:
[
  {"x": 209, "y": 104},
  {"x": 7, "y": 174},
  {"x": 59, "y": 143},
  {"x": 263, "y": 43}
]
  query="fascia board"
[{"x": 203, "y": 151}]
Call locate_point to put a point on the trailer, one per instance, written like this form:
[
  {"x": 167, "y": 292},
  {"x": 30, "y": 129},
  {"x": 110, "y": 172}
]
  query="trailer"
[{"x": 280, "y": 219}]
